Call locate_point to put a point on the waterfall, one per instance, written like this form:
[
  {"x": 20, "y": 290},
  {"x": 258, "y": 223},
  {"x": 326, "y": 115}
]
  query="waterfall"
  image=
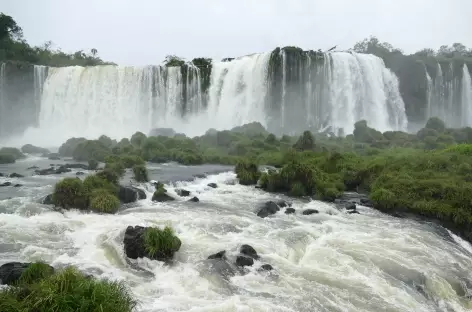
[
  {"x": 466, "y": 97},
  {"x": 429, "y": 94},
  {"x": 363, "y": 88},
  {"x": 40, "y": 73}
]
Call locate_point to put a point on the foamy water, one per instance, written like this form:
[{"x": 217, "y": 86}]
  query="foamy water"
[{"x": 330, "y": 261}]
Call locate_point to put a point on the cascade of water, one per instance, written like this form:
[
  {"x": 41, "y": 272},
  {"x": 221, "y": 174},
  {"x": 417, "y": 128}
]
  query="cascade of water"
[
  {"x": 363, "y": 88},
  {"x": 466, "y": 97},
  {"x": 40, "y": 74},
  {"x": 284, "y": 88},
  {"x": 429, "y": 94}
]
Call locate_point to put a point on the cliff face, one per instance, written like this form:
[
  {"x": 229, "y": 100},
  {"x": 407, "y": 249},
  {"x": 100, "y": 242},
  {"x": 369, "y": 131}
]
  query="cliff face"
[{"x": 289, "y": 90}]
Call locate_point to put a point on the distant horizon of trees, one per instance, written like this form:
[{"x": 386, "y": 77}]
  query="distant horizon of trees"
[{"x": 13, "y": 47}]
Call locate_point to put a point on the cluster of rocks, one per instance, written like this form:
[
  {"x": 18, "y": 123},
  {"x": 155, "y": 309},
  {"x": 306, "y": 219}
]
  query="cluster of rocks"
[
  {"x": 163, "y": 196},
  {"x": 270, "y": 207}
]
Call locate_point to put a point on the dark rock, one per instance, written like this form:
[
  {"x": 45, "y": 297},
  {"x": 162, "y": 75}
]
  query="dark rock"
[
  {"x": 16, "y": 175},
  {"x": 350, "y": 206},
  {"x": 353, "y": 212},
  {"x": 17, "y": 185},
  {"x": 76, "y": 166},
  {"x": 269, "y": 208},
  {"x": 289, "y": 211},
  {"x": 130, "y": 194},
  {"x": 194, "y": 199},
  {"x": 161, "y": 197},
  {"x": 244, "y": 261},
  {"x": 218, "y": 255},
  {"x": 309, "y": 211},
  {"x": 47, "y": 200},
  {"x": 221, "y": 267},
  {"x": 5, "y": 184},
  {"x": 265, "y": 267},
  {"x": 367, "y": 202},
  {"x": 249, "y": 251},
  {"x": 283, "y": 204},
  {"x": 10, "y": 272},
  {"x": 167, "y": 132},
  {"x": 182, "y": 192},
  {"x": 135, "y": 248},
  {"x": 1, "y": 174},
  {"x": 79, "y": 173},
  {"x": 200, "y": 176},
  {"x": 212, "y": 185},
  {"x": 33, "y": 167},
  {"x": 54, "y": 156},
  {"x": 52, "y": 170}
]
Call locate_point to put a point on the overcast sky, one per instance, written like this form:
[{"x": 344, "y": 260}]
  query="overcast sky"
[{"x": 144, "y": 31}]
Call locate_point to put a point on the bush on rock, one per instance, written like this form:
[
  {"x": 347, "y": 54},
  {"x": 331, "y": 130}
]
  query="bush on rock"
[
  {"x": 70, "y": 193},
  {"x": 101, "y": 200},
  {"x": 140, "y": 173}
]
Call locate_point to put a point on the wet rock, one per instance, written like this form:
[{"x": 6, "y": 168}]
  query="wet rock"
[
  {"x": 47, "y": 200},
  {"x": 52, "y": 170},
  {"x": 17, "y": 185},
  {"x": 353, "y": 212},
  {"x": 309, "y": 212},
  {"x": 200, "y": 176},
  {"x": 76, "y": 166},
  {"x": 79, "y": 173},
  {"x": 5, "y": 184},
  {"x": 53, "y": 156},
  {"x": 268, "y": 208},
  {"x": 182, "y": 192},
  {"x": 244, "y": 261},
  {"x": 16, "y": 175},
  {"x": 10, "y": 272},
  {"x": 220, "y": 267},
  {"x": 289, "y": 210},
  {"x": 1, "y": 174},
  {"x": 265, "y": 267},
  {"x": 249, "y": 251},
  {"x": 130, "y": 194},
  {"x": 366, "y": 202},
  {"x": 135, "y": 248},
  {"x": 33, "y": 167},
  {"x": 350, "y": 206},
  {"x": 218, "y": 255},
  {"x": 283, "y": 204},
  {"x": 194, "y": 199},
  {"x": 161, "y": 197},
  {"x": 212, "y": 185}
]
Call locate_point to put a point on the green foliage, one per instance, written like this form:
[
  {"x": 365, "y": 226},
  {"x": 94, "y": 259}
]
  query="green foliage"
[
  {"x": 161, "y": 243},
  {"x": 435, "y": 123},
  {"x": 66, "y": 291},
  {"x": 172, "y": 60},
  {"x": 70, "y": 193},
  {"x": 103, "y": 201},
  {"x": 109, "y": 175},
  {"x": 247, "y": 172},
  {"x": 306, "y": 142},
  {"x": 31, "y": 149},
  {"x": 92, "y": 164},
  {"x": 129, "y": 161},
  {"x": 137, "y": 139},
  {"x": 35, "y": 272},
  {"x": 140, "y": 173},
  {"x": 9, "y": 155},
  {"x": 91, "y": 149},
  {"x": 67, "y": 148},
  {"x": 96, "y": 181}
]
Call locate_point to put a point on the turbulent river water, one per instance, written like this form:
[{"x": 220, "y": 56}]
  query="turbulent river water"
[{"x": 331, "y": 261}]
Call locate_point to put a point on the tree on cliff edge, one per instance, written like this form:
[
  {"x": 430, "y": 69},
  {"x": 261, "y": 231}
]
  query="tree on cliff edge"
[{"x": 9, "y": 28}]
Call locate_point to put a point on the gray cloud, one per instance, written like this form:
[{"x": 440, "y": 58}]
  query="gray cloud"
[{"x": 144, "y": 31}]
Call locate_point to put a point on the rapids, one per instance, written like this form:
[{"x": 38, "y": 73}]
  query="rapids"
[{"x": 331, "y": 261}]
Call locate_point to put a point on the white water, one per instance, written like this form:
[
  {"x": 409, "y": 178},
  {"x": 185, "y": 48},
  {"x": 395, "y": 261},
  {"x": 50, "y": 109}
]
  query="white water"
[
  {"x": 40, "y": 74},
  {"x": 466, "y": 97},
  {"x": 363, "y": 88},
  {"x": 325, "y": 262}
]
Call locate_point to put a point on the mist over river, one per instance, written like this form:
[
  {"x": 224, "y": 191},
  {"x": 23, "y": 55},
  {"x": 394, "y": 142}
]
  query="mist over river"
[{"x": 331, "y": 261}]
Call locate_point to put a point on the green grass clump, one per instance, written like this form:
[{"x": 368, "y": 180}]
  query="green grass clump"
[
  {"x": 95, "y": 181},
  {"x": 92, "y": 164},
  {"x": 247, "y": 172},
  {"x": 68, "y": 291},
  {"x": 161, "y": 243},
  {"x": 140, "y": 173},
  {"x": 70, "y": 193},
  {"x": 35, "y": 272},
  {"x": 101, "y": 200}
]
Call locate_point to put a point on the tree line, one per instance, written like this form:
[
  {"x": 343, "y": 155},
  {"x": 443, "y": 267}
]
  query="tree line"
[{"x": 13, "y": 47}]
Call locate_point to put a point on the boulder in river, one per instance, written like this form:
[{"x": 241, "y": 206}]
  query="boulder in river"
[
  {"x": 47, "y": 200},
  {"x": 309, "y": 212},
  {"x": 194, "y": 199},
  {"x": 5, "y": 184},
  {"x": 130, "y": 194},
  {"x": 52, "y": 170},
  {"x": 289, "y": 211},
  {"x": 182, "y": 192},
  {"x": 11, "y": 272},
  {"x": 16, "y": 175},
  {"x": 212, "y": 185},
  {"x": 152, "y": 243},
  {"x": 267, "y": 209}
]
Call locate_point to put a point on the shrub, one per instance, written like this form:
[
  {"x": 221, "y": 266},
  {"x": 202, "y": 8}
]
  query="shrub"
[
  {"x": 117, "y": 167},
  {"x": 101, "y": 200},
  {"x": 92, "y": 164},
  {"x": 109, "y": 175},
  {"x": 67, "y": 148},
  {"x": 35, "y": 272},
  {"x": 31, "y": 149},
  {"x": 247, "y": 172},
  {"x": 138, "y": 139},
  {"x": 90, "y": 149},
  {"x": 95, "y": 181},
  {"x": 140, "y": 173},
  {"x": 9, "y": 155},
  {"x": 129, "y": 161},
  {"x": 7, "y": 158},
  {"x": 68, "y": 290},
  {"x": 161, "y": 243},
  {"x": 70, "y": 193}
]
